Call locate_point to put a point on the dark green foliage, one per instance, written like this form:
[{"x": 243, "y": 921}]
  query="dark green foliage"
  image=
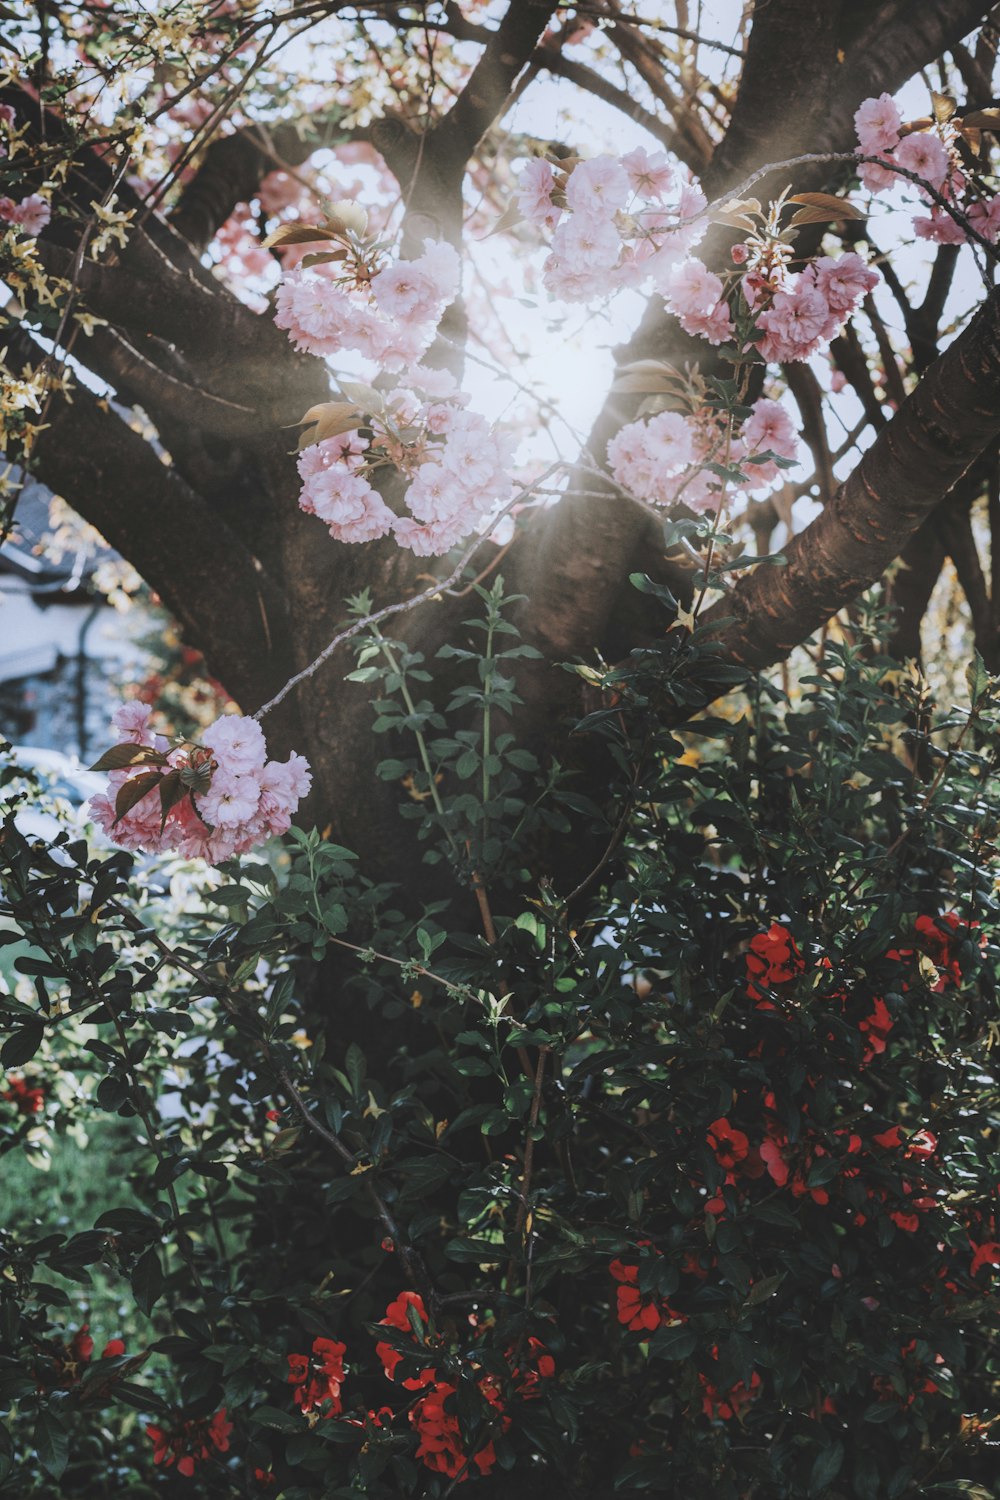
[{"x": 691, "y": 1178}]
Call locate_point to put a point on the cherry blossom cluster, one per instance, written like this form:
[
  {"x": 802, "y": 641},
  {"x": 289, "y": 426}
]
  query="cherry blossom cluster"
[
  {"x": 931, "y": 154},
  {"x": 615, "y": 221},
  {"x": 388, "y": 312},
  {"x": 662, "y": 458},
  {"x": 619, "y": 221},
  {"x": 800, "y": 312},
  {"x": 207, "y": 801},
  {"x": 455, "y": 468}
]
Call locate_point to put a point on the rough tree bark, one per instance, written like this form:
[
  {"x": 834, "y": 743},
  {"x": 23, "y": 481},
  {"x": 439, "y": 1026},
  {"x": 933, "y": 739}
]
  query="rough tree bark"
[{"x": 256, "y": 585}]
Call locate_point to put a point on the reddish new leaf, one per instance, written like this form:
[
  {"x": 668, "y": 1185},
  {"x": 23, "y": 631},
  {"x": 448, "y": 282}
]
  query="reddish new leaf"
[
  {"x": 120, "y": 757},
  {"x": 134, "y": 790}
]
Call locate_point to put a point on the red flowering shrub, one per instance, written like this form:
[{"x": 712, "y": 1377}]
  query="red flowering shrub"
[{"x": 693, "y": 1190}]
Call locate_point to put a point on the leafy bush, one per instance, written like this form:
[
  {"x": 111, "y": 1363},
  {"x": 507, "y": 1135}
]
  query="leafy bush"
[{"x": 683, "y": 1178}]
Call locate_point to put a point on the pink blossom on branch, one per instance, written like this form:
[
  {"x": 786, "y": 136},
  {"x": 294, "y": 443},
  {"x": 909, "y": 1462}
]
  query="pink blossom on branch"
[
  {"x": 534, "y": 197},
  {"x": 208, "y": 801},
  {"x": 878, "y": 123},
  {"x": 923, "y": 154}
]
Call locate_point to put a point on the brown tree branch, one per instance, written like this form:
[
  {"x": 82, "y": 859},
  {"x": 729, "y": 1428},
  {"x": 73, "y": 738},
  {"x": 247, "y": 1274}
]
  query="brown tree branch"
[
  {"x": 943, "y": 427},
  {"x": 234, "y": 166},
  {"x": 484, "y": 97},
  {"x": 145, "y": 510},
  {"x": 693, "y": 144},
  {"x": 592, "y": 82},
  {"x": 954, "y": 524}
]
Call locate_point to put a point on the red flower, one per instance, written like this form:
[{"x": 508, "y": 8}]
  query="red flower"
[
  {"x": 265, "y": 1478},
  {"x": 876, "y": 1027},
  {"x": 772, "y": 959},
  {"x": 727, "y": 1404},
  {"x": 113, "y": 1348},
  {"x": 730, "y": 1146},
  {"x": 940, "y": 937},
  {"x": 773, "y": 1157},
  {"x": 987, "y": 1254},
  {"x": 636, "y": 1312},
  {"x": 390, "y": 1358},
  {"x": 539, "y": 1365},
  {"x": 639, "y": 1312},
  {"x": 921, "y": 1143},
  {"x": 440, "y": 1446},
  {"x": 81, "y": 1345},
  {"x": 29, "y": 1101},
  {"x": 318, "y": 1380},
  {"x": 398, "y": 1315},
  {"x": 191, "y": 1442}
]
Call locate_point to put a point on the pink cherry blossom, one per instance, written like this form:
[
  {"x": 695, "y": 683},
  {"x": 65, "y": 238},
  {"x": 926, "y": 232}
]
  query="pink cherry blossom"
[
  {"x": 598, "y": 188},
  {"x": 238, "y": 742},
  {"x": 436, "y": 494},
  {"x": 651, "y": 176},
  {"x": 647, "y": 456},
  {"x": 346, "y": 448},
  {"x": 768, "y": 429},
  {"x": 691, "y": 290},
  {"x": 844, "y": 280},
  {"x": 984, "y": 216},
  {"x": 317, "y": 316},
  {"x": 32, "y": 213},
  {"x": 353, "y": 510},
  {"x": 795, "y": 324},
  {"x": 239, "y": 797},
  {"x": 925, "y": 155},
  {"x": 586, "y": 244},
  {"x": 289, "y": 780},
  {"x": 939, "y": 226},
  {"x": 230, "y": 800},
  {"x": 668, "y": 441},
  {"x": 716, "y": 326},
  {"x": 875, "y": 178},
  {"x": 878, "y": 123},
  {"x": 131, "y": 722},
  {"x": 439, "y": 384},
  {"x": 431, "y": 539},
  {"x": 534, "y": 198}
]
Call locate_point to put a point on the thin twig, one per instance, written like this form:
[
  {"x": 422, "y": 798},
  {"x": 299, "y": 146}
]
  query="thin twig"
[{"x": 433, "y": 592}]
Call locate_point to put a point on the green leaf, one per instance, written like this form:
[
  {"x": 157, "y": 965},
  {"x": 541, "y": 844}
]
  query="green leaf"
[
  {"x": 281, "y": 1421},
  {"x": 51, "y": 1443},
  {"x": 673, "y": 1343},
  {"x": 827, "y": 1467},
  {"x": 354, "y": 1066},
  {"x": 22, "y": 1045},
  {"x": 147, "y": 1280}
]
